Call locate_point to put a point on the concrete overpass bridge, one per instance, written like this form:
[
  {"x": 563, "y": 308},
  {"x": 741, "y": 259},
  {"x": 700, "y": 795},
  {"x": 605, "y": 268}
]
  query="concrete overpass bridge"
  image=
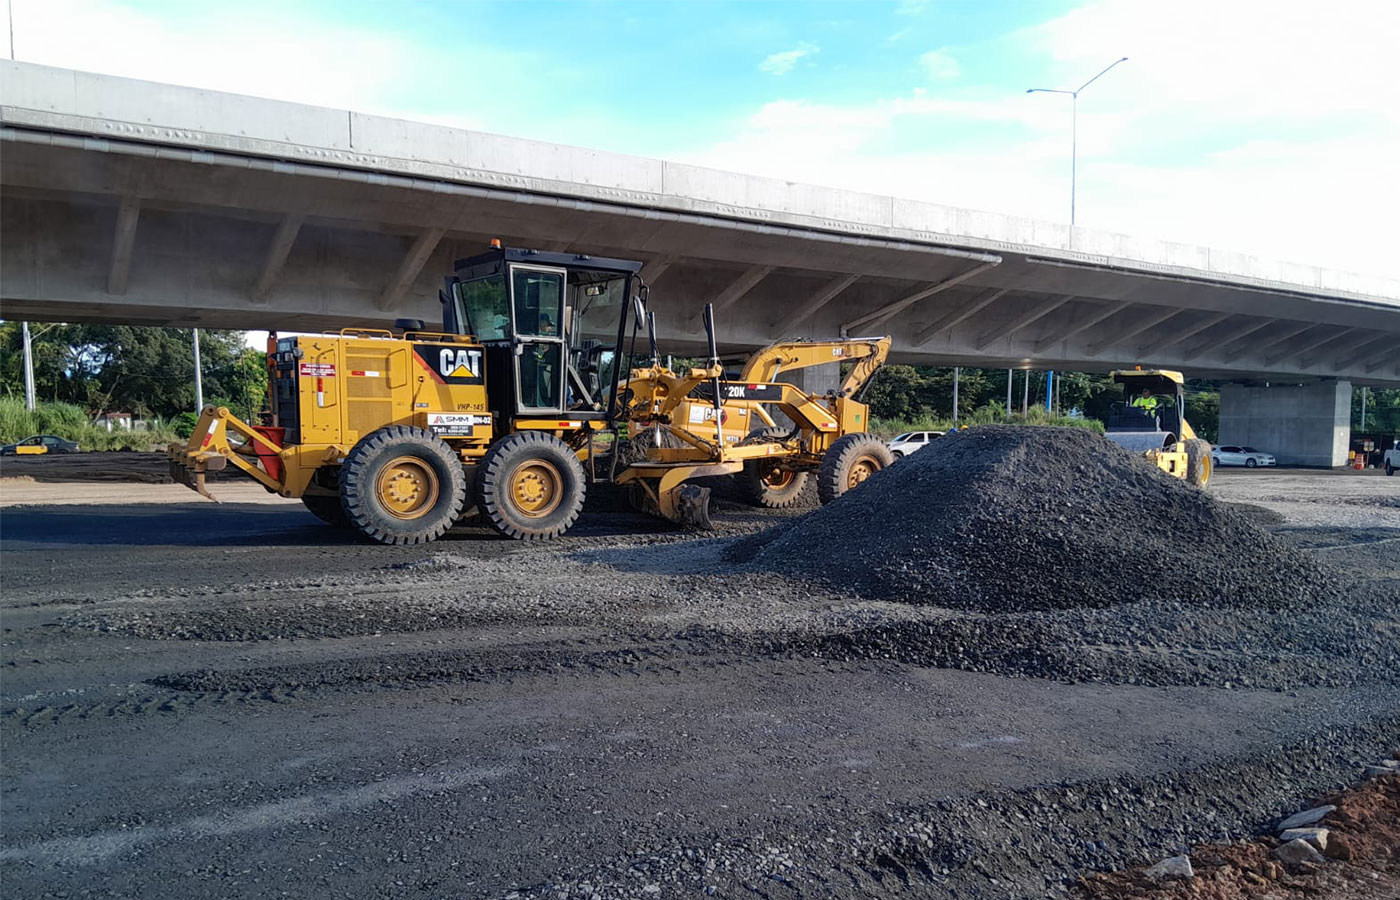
[{"x": 143, "y": 203}]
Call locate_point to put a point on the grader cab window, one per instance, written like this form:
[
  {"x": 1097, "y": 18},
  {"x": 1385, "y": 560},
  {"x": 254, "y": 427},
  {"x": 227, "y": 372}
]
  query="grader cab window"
[
  {"x": 538, "y": 298},
  {"x": 483, "y": 308},
  {"x": 539, "y": 301}
]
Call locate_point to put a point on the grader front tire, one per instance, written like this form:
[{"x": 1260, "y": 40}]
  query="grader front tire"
[
  {"x": 402, "y": 485},
  {"x": 850, "y": 461},
  {"x": 530, "y": 486},
  {"x": 327, "y": 508}
]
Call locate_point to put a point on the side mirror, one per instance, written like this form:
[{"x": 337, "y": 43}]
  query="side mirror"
[{"x": 639, "y": 307}]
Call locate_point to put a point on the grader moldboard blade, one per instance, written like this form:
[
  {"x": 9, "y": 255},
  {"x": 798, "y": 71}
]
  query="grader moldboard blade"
[
  {"x": 692, "y": 504},
  {"x": 664, "y": 491},
  {"x": 687, "y": 505}
]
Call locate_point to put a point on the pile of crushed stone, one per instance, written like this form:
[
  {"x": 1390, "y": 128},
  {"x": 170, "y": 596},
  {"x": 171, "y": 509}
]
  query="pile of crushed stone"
[{"x": 1006, "y": 518}]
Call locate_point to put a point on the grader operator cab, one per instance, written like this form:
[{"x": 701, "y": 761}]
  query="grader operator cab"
[
  {"x": 517, "y": 405},
  {"x": 1151, "y": 419}
]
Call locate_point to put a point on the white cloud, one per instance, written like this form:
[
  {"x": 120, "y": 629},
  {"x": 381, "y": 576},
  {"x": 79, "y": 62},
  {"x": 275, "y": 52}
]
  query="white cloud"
[
  {"x": 940, "y": 65},
  {"x": 1254, "y": 125},
  {"x": 1266, "y": 128},
  {"x": 228, "y": 48},
  {"x": 782, "y": 62}
]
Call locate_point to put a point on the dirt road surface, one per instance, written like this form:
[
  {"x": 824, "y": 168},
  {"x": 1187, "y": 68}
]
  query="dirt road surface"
[{"x": 235, "y": 700}]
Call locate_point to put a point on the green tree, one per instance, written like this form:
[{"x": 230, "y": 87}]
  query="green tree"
[
  {"x": 145, "y": 371},
  {"x": 897, "y": 393},
  {"x": 1382, "y": 411},
  {"x": 1203, "y": 411}
]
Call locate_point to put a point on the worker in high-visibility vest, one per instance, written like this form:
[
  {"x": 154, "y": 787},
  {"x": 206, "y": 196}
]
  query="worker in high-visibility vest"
[{"x": 1145, "y": 401}]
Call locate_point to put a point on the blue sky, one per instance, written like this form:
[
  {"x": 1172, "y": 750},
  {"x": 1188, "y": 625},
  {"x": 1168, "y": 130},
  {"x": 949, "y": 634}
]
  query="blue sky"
[{"x": 1268, "y": 126}]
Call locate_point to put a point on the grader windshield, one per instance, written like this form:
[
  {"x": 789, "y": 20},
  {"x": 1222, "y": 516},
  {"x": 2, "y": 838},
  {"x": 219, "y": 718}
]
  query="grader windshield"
[{"x": 551, "y": 324}]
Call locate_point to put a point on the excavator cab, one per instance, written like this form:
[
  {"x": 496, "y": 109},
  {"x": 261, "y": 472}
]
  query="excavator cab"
[{"x": 550, "y": 324}]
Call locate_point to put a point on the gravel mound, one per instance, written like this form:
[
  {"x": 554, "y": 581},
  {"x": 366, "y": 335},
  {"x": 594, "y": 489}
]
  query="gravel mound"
[{"x": 1006, "y": 518}]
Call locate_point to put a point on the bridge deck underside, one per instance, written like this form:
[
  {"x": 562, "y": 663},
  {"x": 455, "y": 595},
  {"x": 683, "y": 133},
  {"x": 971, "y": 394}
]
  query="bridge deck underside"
[{"x": 95, "y": 234}]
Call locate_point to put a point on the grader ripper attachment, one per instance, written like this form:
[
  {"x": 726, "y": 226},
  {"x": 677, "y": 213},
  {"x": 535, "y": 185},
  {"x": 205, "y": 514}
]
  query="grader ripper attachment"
[{"x": 523, "y": 399}]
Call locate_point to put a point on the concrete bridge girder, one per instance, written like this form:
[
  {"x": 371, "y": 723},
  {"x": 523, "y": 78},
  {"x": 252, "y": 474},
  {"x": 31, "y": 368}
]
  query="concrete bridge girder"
[{"x": 126, "y": 201}]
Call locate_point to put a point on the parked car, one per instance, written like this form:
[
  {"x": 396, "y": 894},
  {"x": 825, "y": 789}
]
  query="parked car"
[
  {"x": 1392, "y": 459},
  {"x": 1241, "y": 456},
  {"x": 907, "y": 443},
  {"x": 39, "y": 443}
]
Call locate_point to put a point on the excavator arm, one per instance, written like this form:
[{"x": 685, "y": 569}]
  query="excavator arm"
[{"x": 868, "y": 354}]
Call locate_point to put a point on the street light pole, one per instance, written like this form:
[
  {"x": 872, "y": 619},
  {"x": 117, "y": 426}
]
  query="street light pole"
[
  {"x": 957, "y": 376},
  {"x": 1074, "y": 129},
  {"x": 28, "y": 368},
  {"x": 198, "y": 376}
]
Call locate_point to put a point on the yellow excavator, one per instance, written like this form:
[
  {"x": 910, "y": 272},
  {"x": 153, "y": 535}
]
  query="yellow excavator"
[
  {"x": 699, "y": 423},
  {"x": 523, "y": 399},
  {"x": 1151, "y": 419}
]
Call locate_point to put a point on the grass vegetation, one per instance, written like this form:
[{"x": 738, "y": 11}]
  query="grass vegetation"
[
  {"x": 992, "y": 414},
  {"x": 71, "y": 422}
]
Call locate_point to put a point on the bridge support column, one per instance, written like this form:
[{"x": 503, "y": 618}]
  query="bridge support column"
[{"x": 1301, "y": 425}]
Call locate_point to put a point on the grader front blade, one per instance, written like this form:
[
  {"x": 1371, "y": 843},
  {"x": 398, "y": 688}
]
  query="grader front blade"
[{"x": 661, "y": 490}]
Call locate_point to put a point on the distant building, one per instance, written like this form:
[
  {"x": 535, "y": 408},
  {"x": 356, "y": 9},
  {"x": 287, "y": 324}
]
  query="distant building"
[{"x": 114, "y": 421}]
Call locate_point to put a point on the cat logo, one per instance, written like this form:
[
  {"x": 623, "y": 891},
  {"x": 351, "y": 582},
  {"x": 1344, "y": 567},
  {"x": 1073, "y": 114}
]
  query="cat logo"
[
  {"x": 459, "y": 364},
  {"x": 451, "y": 365}
]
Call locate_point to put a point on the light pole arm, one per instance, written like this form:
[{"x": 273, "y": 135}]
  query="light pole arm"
[{"x": 1101, "y": 74}]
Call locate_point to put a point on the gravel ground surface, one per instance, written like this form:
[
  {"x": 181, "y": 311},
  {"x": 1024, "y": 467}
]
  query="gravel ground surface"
[{"x": 239, "y": 701}]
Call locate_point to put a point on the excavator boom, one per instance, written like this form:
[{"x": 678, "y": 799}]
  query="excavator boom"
[{"x": 868, "y": 354}]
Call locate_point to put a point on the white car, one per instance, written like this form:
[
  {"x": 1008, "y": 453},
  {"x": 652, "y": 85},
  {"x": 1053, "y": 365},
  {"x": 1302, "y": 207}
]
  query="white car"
[
  {"x": 1241, "y": 456},
  {"x": 1392, "y": 460},
  {"x": 907, "y": 443}
]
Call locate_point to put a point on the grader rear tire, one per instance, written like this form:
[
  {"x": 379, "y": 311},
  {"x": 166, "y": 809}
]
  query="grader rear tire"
[
  {"x": 530, "y": 486},
  {"x": 1198, "y": 462},
  {"x": 849, "y": 462},
  {"x": 402, "y": 485}
]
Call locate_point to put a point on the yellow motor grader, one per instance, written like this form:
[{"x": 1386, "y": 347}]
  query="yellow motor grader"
[
  {"x": 518, "y": 404},
  {"x": 1151, "y": 419}
]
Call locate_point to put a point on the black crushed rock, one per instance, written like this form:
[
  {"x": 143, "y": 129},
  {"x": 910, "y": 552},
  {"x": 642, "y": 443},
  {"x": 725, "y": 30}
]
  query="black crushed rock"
[
  {"x": 1026, "y": 844},
  {"x": 1006, "y": 518}
]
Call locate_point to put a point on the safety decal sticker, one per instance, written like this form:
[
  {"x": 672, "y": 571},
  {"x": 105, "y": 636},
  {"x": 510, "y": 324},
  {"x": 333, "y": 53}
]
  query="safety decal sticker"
[
  {"x": 455, "y": 424},
  {"x": 318, "y": 370}
]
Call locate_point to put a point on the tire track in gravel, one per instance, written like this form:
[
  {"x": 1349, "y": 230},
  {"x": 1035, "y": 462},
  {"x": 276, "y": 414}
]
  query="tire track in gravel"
[{"x": 179, "y": 692}]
